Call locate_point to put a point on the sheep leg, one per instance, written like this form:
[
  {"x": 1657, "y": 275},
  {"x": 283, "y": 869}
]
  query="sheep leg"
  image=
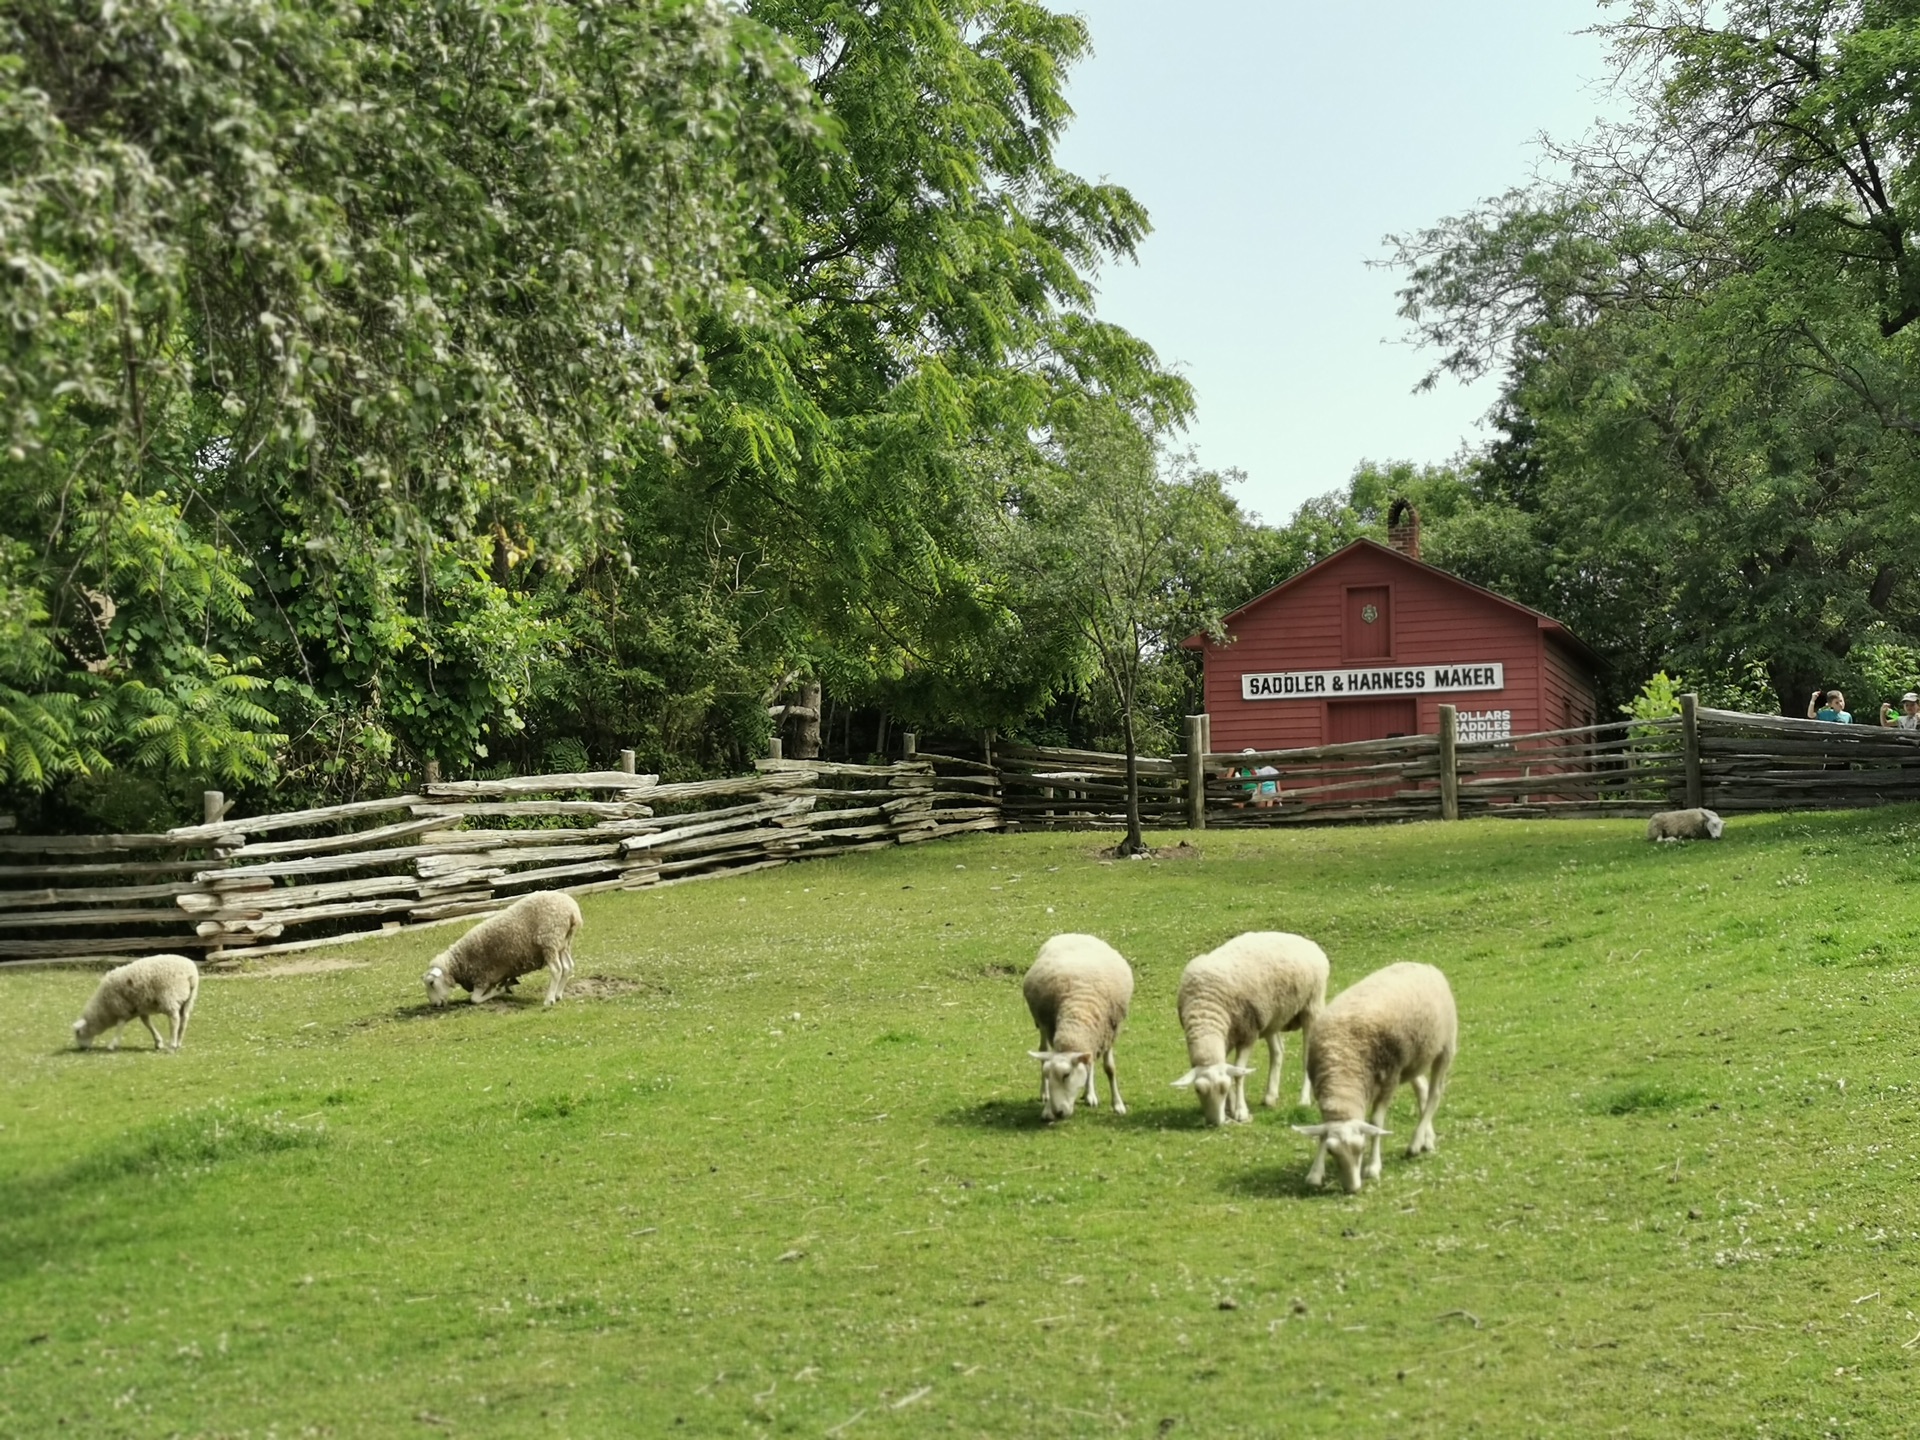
[
  {"x": 1113, "y": 1083},
  {"x": 1093, "y": 1099},
  {"x": 479, "y": 995},
  {"x": 1046, "y": 1045},
  {"x": 186, "y": 1014},
  {"x": 1317, "y": 1173},
  {"x": 556, "y": 975},
  {"x": 147, "y": 1020},
  {"x": 1429, "y": 1088},
  {"x": 1374, "y": 1160},
  {"x": 1237, "y": 1098},
  {"x": 1277, "y": 1051}
]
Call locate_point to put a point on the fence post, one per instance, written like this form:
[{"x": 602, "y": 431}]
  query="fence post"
[
  {"x": 213, "y": 807},
  {"x": 626, "y": 761},
  {"x": 1449, "y": 765},
  {"x": 1690, "y": 750},
  {"x": 1196, "y": 772},
  {"x": 432, "y": 772},
  {"x": 773, "y": 748},
  {"x": 909, "y": 743}
]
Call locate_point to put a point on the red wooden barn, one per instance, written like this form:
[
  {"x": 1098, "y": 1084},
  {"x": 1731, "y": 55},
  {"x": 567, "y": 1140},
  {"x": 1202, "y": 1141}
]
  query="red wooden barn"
[{"x": 1370, "y": 643}]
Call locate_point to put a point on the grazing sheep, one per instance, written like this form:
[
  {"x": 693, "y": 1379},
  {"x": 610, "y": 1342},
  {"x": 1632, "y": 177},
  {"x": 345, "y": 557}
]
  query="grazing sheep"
[
  {"x": 1685, "y": 825},
  {"x": 1256, "y": 986},
  {"x": 1077, "y": 990},
  {"x": 535, "y": 930},
  {"x": 152, "y": 985},
  {"x": 1395, "y": 1026}
]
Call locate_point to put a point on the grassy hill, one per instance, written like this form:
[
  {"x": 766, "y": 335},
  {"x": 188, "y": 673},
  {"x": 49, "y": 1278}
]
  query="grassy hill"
[{"x": 776, "y": 1166}]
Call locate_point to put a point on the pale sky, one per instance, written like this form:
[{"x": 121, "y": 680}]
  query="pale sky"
[{"x": 1275, "y": 143}]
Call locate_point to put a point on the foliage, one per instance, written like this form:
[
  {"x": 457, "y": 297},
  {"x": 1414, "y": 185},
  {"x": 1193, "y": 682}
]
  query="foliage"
[
  {"x": 1709, "y": 344},
  {"x": 877, "y": 1209},
  {"x": 304, "y": 297},
  {"x": 1126, "y": 559}
]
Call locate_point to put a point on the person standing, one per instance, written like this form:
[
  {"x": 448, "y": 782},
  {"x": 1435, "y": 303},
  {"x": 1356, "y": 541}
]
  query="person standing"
[
  {"x": 1909, "y": 716},
  {"x": 1834, "y": 711}
]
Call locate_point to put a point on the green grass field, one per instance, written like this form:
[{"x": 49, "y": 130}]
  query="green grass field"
[{"x": 777, "y": 1166}]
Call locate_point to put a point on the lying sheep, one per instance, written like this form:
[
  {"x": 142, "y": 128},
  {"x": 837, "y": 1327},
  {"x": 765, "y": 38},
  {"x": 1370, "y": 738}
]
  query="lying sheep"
[
  {"x": 1395, "y": 1026},
  {"x": 1077, "y": 990},
  {"x": 1685, "y": 825},
  {"x": 1256, "y": 986},
  {"x": 535, "y": 930},
  {"x": 152, "y": 985}
]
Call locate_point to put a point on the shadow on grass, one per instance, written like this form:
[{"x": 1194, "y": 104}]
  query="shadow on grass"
[
  {"x": 1005, "y": 1115},
  {"x": 1278, "y": 1182}
]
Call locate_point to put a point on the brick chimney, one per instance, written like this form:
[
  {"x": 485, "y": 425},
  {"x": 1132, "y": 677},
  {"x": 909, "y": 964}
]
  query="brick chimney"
[{"x": 1403, "y": 528}]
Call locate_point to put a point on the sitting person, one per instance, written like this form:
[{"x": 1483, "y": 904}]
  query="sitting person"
[
  {"x": 1834, "y": 711},
  {"x": 1909, "y": 716}
]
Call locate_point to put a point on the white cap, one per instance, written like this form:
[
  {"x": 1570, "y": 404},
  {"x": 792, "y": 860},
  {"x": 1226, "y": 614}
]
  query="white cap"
[{"x": 1908, "y": 696}]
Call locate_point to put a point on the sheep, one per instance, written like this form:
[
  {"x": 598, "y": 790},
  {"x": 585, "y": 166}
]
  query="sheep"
[
  {"x": 535, "y": 930},
  {"x": 152, "y": 985},
  {"x": 1395, "y": 1026},
  {"x": 1256, "y": 986},
  {"x": 1077, "y": 991},
  {"x": 1685, "y": 825}
]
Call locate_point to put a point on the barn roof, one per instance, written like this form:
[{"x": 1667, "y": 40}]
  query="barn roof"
[{"x": 1546, "y": 622}]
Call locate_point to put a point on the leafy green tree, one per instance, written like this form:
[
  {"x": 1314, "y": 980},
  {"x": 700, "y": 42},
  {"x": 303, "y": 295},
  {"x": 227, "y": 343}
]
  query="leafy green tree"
[
  {"x": 1708, "y": 336},
  {"x": 1126, "y": 559}
]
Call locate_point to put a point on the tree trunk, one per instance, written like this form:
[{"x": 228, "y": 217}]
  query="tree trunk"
[
  {"x": 806, "y": 733},
  {"x": 1135, "y": 843}
]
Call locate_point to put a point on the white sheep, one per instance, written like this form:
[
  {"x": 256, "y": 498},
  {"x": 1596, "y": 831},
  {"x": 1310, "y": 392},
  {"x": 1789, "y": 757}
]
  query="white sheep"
[
  {"x": 1685, "y": 825},
  {"x": 1396, "y": 1026},
  {"x": 536, "y": 930},
  {"x": 152, "y": 985},
  {"x": 1256, "y": 986},
  {"x": 1077, "y": 991}
]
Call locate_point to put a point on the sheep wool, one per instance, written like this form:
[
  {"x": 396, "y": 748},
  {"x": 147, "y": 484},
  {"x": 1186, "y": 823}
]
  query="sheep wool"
[
  {"x": 1255, "y": 987},
  {"x": 1398, "y": 1026},
  {"x": 152, "y": 985},
  {"x": 536, "y": 930},
  {"x": 1685, "y": 825},
  {"x": 1077, "y": 990}
]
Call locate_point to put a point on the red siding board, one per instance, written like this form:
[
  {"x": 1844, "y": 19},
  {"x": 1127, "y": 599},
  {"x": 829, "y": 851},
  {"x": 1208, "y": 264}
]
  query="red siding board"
[{"x": 1436, "y": 620}]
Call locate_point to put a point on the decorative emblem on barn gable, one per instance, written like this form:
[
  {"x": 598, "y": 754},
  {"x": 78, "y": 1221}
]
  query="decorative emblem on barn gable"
[{"x": 1369, "y": 613}]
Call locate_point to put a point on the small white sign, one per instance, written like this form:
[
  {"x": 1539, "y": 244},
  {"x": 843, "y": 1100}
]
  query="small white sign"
[
  {"x": 1366, "y": 684},
  {"x": 1485, "y": 724}
]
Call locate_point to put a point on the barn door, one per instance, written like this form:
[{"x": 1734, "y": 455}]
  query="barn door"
[
  {"x": 1369, "y": 622},
  {"x": 1370, "y": 720}
]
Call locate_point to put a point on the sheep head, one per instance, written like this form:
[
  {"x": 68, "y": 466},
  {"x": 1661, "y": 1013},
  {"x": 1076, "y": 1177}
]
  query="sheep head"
[
  {"x": 1063, "y": 1075},
  {"x": 82, "y": 1034},
  {"x": 439, "y": 979},
  {"x": 1214, "y": 1085},
  {"x": 1347, "y": 1142}
]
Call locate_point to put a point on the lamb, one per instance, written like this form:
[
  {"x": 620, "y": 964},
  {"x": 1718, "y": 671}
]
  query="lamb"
[
  {"x": 1077, "y": 991},
  {"x": 535, "y": 930},
  {"x": 152, "y": 985},
  {"x": 1256, "y": 986},
  {"x": 1685, "y": 825},
  {"x": 1395, "y": 1026}
]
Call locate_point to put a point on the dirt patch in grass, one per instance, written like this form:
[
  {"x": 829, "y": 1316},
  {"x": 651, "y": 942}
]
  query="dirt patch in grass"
[{"x": 604, "y": 987}]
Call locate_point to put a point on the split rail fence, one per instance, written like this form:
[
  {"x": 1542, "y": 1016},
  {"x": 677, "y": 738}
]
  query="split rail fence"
[{"x": 236, "y": 887}]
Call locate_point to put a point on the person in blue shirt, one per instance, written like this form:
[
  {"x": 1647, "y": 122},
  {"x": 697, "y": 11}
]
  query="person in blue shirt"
[{"x": 1834, "y": 711}]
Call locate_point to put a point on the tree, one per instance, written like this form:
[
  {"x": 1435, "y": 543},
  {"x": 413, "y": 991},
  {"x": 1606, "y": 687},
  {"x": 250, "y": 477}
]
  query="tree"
[
  {"x": 1708, "y": 333},
  {"x": 308, "y": 302},
  {"x": 1126, "y": 558}
]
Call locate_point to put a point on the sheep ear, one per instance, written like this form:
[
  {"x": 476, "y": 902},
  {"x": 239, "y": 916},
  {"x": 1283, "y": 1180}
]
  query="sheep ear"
[
  {"x": 1370, "y": 1131},
  {"x": 1315, "y": 1132},
  {"x": 1041, "y": 1055},
  {"x": 1185, "y": 1080},
  {"x": 1239, "y": 1072}
]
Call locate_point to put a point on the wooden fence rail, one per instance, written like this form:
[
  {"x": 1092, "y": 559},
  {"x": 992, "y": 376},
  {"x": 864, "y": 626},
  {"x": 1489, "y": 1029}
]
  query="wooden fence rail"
[{"x": 456, "y": 849}]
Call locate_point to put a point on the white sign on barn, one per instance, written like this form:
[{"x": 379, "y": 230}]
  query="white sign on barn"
[
  {"x": 1368, "y": 683},
  {"x": 1485, "y": 724}
]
